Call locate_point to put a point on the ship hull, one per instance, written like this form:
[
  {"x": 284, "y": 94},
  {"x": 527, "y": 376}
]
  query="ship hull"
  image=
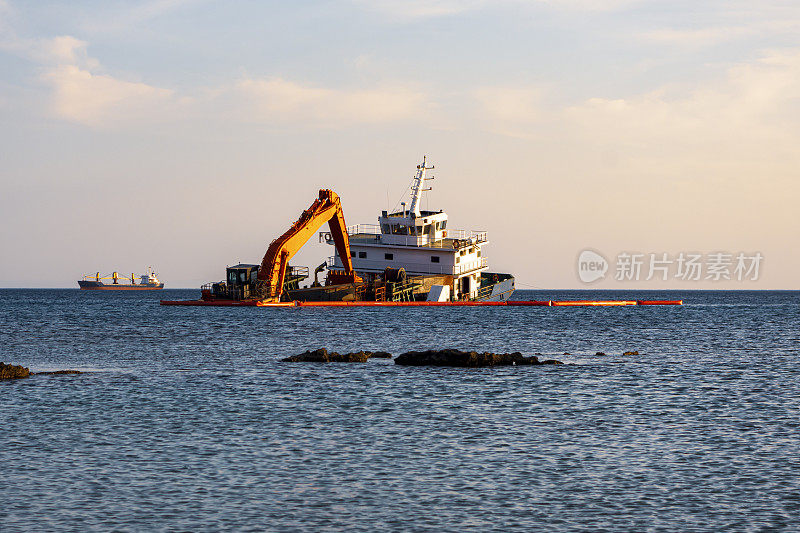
[{"x": 100, "y": 286}]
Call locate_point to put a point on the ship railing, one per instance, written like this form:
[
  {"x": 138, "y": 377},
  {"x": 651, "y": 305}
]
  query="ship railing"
[
  {"x": 421, "y": 268},
  {"x": 372, "y": 233},
  {"x": 370, "y": 229},
  {"x": 471, "y": 236},
  {"x": 298, "y": 271}
]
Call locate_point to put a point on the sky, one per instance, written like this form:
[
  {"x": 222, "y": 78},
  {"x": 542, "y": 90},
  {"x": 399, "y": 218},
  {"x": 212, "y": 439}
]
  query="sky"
[{"x": 188, "y": 134}]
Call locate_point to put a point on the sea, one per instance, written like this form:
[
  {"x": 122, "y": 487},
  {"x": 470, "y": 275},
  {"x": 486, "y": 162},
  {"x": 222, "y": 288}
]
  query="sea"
[{"x": 185, "y": 419}]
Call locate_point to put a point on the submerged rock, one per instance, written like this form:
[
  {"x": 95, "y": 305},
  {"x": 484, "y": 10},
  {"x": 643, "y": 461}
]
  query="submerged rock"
[
  {"x": 322, "y": 355},
  {"x": 631, "y": 353},
  {"x": 457, "y": 358},
  {"x": 13, "y": 371},
  {"x": 600, "y": 353},
  {"x": 53, "y": 372}
]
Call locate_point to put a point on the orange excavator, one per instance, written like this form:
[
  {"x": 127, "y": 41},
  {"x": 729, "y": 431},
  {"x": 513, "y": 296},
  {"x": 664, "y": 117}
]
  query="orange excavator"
[{"x": 327, "y": 208}]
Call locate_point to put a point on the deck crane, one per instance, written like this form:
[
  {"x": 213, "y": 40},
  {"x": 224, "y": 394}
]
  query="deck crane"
[{"x": 326, "y": 208}]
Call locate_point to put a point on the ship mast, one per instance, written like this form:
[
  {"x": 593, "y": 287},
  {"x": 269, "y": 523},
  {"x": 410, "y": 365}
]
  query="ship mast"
[{"x": 417, "y": 188}]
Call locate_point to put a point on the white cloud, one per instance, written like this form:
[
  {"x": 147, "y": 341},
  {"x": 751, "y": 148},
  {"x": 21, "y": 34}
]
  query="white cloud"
[
  {"x": 698, "y": 37},
  {"x": 277, "y": 99},
  {"x": 512, "y": 104},
  {"x": 416, "y": 9},
  {"x": 754, "y": 103},
  {"x": 98, "y": 100},
  {"x": 82, "y": 92},
  {"x": 413, "y": 9},
  {"x": 754, "y": 106}
]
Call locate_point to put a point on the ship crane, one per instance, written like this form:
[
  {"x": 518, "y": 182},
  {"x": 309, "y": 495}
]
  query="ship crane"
[{"x": 326, "y": 208}]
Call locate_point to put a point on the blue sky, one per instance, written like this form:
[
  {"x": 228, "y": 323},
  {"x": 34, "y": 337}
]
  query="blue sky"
[{"x": 188, "y": 134}]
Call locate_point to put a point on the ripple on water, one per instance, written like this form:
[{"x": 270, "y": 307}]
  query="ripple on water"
[{"x": 186, "y": 419}]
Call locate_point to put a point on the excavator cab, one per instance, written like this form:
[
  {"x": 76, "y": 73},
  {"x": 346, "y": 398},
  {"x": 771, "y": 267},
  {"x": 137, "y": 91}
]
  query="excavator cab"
[{"x": 242, "y": 283}]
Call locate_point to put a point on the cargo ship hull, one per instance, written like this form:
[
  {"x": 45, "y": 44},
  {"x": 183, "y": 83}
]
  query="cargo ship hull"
[{"x": 100, "y": 286}]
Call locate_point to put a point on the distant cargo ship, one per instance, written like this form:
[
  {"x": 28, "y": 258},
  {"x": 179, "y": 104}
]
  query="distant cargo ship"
[{"x": 147, "y": 282}]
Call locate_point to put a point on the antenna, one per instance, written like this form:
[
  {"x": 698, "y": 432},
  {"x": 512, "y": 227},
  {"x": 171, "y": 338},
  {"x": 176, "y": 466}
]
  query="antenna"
[{"x": 418, "y": 187}]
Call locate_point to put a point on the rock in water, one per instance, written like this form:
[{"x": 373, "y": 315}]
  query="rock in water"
[
  {"x": 379, "y": 355},
  {"x": 54, "y": 372},
  {"x": 316, "y": 356},
  {"x": 457, "y": 358},
  {"x": 599, "y": 353},
  {"x": 355, "y": 357},
  {"x": 323, "y": 356},
  {"x": 631, "y": 353},
  {"x": 13, "y": 371}
]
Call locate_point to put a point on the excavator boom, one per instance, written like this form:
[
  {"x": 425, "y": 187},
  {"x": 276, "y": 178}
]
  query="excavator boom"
[{"x": 326, "y": 208}]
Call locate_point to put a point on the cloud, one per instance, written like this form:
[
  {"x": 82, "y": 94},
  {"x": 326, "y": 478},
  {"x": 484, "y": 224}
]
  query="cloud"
[
  {"x": 276, "y": 99},
  {"x": 755, "y": 101},
  {"x": 416, "y": 9},
  {"x": 82, "y": 92},
  {"x": 699, "y": 37},
  {"x": 512, "y": 104},
  {"x": 754, "y": 106},
  {"x": 98, "y": 100}
]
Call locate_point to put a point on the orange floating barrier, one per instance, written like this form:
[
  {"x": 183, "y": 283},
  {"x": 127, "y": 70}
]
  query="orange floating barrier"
[
  {"x": 512, "y": 303},
  {"x": 593, "y": 303}
]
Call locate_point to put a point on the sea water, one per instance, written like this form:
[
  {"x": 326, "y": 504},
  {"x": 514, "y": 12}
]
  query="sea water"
[{"x": 185, "y": 418}]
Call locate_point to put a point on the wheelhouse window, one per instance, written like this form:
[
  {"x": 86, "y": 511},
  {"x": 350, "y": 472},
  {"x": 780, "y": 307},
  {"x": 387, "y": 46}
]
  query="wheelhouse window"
[
  {"x": 362, "y": 255},
  {"x": 434, "y": 259}
]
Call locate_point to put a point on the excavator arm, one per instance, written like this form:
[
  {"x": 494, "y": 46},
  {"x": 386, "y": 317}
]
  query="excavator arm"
[{"x": 327, "y": 208}]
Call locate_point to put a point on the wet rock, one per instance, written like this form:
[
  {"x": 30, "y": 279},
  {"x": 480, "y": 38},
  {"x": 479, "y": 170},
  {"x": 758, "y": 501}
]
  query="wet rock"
[
  {"x": 13, "y": 371},
  {"x": 322, "y": 355},
  {"x": 379, "y": 355},
  {"x": 457, "y": 358},
  {"x": 567, "y": 353},
  {"x": 551, "y": 362},
  {"x": 631, "y": 353},
  {"x": 600, "y": 353},
  {"x": 54, "y": 372}
]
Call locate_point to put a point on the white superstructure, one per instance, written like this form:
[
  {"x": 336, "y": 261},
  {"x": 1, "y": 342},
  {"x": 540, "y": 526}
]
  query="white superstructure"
[
  {"x": 421, "y": 243},
  {"x": 149, "y": 277}
]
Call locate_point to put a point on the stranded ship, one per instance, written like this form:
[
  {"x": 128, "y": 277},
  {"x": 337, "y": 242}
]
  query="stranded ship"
[
  {"x": 411, "y": 255},
  {"x": 147, "y": 282}
]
